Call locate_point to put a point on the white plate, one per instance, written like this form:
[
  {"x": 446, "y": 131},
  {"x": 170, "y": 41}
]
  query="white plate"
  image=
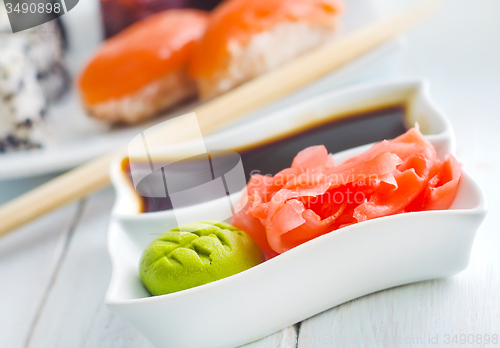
[
  {"x": 77, "y": 138},
  {"x": 317, "y": 275}
]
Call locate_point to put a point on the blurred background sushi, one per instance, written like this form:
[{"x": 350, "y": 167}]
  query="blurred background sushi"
[
  {"x": 119, "y": 14},
  {"x": 32, "y": 77},
  {"x": 247, "y": 38},
  {"x": 142, "y": 70},
  {"x": 154, "y": 55}
]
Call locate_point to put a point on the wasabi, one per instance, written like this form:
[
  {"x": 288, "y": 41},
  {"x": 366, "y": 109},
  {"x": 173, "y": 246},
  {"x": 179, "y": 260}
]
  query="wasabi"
[{"x": 196, "y": 254}]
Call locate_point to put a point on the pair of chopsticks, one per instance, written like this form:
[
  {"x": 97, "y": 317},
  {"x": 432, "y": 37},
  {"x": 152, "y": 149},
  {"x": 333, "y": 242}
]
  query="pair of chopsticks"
[{"x": 218, "y": 112}]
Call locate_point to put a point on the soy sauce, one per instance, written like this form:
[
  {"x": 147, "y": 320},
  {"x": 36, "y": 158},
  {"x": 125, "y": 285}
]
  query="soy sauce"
[{"x": 277, "y": 154}]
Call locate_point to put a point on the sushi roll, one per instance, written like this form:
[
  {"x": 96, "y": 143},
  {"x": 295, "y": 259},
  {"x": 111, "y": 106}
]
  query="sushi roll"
[
  {"x": 32, "y": 76},
  {"x": 246, "y": 38},
  {"x": 143, "y": 70}
]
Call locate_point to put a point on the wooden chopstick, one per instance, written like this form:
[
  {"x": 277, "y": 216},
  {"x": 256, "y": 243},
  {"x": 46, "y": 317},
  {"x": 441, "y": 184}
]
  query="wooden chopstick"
[{"x": 214, "y": 114}]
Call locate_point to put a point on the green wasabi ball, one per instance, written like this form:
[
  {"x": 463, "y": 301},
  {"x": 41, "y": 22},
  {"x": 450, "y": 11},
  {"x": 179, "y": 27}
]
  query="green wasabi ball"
[{"x": 196, "y": 254}]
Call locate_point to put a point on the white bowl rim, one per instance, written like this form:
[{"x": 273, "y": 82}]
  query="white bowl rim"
[
  {"x": 118, "y": 179},
  {"x": 480, "y": 209},
  {"x": 418, "y": 84}
]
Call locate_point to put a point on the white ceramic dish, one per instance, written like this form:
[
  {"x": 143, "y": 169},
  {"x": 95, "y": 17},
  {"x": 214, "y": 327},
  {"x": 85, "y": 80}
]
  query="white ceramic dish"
[
  {"x": 78, "y": 138},
  {"x": 317, "y": 275}
]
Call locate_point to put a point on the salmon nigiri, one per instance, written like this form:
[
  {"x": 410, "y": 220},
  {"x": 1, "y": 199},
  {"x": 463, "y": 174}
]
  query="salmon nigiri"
[
  {"x": 143, "y": 70},
  {"x": 246, "y": 38}
]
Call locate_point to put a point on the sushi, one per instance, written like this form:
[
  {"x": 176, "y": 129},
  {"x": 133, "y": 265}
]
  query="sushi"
[
  {"x": 246, "y": 38},
  {"x": 32, "y": 77},
  {"x": 143, "y": 70},
  {"x": 119, "y": 14}
]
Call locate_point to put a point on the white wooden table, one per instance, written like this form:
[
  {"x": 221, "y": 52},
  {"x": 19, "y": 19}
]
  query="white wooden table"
[{"x": 54, "y": 272}]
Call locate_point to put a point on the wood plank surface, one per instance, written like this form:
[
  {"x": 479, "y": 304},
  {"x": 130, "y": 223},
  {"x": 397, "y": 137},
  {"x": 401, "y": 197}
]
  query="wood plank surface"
[{"x": 28, "y": 260}]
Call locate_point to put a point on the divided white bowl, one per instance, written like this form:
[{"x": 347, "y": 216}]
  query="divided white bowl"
[{"x": 317, "y": 275}]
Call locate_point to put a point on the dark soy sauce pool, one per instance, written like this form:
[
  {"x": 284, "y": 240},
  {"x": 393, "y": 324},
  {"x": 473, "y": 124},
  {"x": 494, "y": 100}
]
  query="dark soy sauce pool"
[{"x": 277, "y": 154}]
